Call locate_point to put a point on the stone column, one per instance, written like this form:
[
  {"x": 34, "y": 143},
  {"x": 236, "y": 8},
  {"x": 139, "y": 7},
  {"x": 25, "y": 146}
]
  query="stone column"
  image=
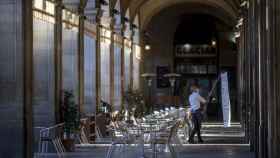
[
  {"x": 28, "y": 80},
  {"x": 251, "y": 76},
  {"x": 123, "y": 67},
  {"x": 276, "y": 138},
  {"x": 98, "y": 55},
  {"x": 58, "y": 59},
  {"x": 81, "y": 71},
  {"x": 142, "y": 63},
  {"x": 131, "y": 59},
  {"x": 112, "y": 62},
  {"x": 16, "y": 88},
  {"x": 273, "y": 7}
]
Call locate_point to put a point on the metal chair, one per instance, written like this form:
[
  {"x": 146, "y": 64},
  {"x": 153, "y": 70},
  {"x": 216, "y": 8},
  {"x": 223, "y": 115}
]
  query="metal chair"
[
  {"x": 124, "y": 139},
  {"x": 51, "y": 135},
  {"x": 167, "y": 140}
]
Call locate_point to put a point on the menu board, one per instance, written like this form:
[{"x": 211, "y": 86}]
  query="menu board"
[{"x": 162, "y": 82}]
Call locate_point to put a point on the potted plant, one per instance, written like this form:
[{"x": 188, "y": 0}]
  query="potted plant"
[
  {"x": 128, "y": 97},
  {"x": 139, "y": 103},
  {"x": 71, "y": 118},
  {"x": 135, "y": 104}
]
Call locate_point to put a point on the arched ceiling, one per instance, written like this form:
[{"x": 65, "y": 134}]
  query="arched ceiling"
[
  {"x": 149, "y": 8},
  {"x": 179, "y": 10},
  {"x": 153, "y": 7},
  {"x": 135, "y": 5}
]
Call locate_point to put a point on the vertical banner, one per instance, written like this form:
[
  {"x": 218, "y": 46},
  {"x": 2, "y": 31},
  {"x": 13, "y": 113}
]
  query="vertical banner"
[{"x": 225, "y": 99}]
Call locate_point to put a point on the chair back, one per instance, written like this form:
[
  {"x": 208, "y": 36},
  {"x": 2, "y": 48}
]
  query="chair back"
[{"x": 173, "y": 131}]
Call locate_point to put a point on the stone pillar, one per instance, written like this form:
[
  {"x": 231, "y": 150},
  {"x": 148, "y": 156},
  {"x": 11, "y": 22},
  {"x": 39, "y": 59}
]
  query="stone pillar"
[
  {"x": 58, "y": 59},
  {"x": 123, "y": 66},
  {"x": 81, "y": 71},
  {"x": 250, "y": 74},
  {"x": 261, "y": 76},
  {"x": 16, "y": 128},
  {"x": 112, "y": 62},
  {"x": 131, "y": 59},
  {"x": 98, "y": 55},
  {"x": 28, "y": 81},
  {"x": 241, "y": 101},
  {"x": 273, "y": 8},
  {"x": 142, "y": 67}
]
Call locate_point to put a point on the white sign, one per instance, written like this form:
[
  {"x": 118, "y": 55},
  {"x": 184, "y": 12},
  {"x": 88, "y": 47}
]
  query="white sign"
[{"x": 225, "y": 99}]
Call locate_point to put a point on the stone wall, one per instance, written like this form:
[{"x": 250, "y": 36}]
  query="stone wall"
[
  {"x": 161, "y": 32},
  {"x": 11, "y": 79}
]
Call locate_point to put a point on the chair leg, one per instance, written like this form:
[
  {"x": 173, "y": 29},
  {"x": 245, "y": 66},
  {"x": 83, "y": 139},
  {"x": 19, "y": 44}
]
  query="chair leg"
[
  {"x": 154, "y": 150},
  {"x": 110, "y": 151},
  {"x": 55, "y": 143},
  {"x": 172, "y": 151},
  {"x": 142, "y": 146}
]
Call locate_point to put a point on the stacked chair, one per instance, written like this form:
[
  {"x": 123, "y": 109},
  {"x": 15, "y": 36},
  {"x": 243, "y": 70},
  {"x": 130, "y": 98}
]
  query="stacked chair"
[{"x": 157, "y": 130}]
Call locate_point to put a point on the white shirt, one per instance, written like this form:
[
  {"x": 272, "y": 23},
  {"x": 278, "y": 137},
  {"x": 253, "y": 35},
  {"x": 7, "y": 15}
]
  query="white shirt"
[{"x": 195, "y": 100}]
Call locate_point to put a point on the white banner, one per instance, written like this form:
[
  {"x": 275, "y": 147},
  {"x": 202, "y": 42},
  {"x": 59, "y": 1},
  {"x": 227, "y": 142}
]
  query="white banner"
[{"x": 225, "y": 99}]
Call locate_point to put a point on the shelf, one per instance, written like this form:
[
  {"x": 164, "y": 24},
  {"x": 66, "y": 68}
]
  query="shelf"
[
  {"x": 196, "y": 56},
  {"x": 198, "y": 75}
]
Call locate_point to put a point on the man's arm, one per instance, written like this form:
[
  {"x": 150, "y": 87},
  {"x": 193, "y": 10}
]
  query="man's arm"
[{"x": 201, "y": 99}]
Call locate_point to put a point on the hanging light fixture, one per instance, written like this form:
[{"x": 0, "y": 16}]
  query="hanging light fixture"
[
  {"x": 245, "y": 4},
  {"x": 214, "y": 43},
  {"x": 237, "y": 34},
  {"x": 147, "y": 39},
  {"x": 240, "y": 23}
]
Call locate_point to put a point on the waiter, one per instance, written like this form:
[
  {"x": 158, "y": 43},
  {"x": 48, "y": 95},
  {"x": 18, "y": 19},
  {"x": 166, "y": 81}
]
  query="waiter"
[{"x": 195, "y": 101}]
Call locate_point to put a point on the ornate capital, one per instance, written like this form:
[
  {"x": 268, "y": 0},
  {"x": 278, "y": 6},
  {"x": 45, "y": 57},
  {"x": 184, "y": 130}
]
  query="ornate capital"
[{"x": 82, "y": 6}]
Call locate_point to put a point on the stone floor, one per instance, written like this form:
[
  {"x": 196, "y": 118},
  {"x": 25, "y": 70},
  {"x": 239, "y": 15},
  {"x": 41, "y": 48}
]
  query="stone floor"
[
  {"x": 219, "y": 143},
  {"x": 188, "y": 151}
]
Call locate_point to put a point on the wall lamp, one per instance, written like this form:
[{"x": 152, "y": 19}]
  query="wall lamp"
[
  {"x": 116, "y": 12},
  {"x": 214, "y": 43},
  {"x": 147, "y": 47},
  {"x": 125, "y": 19},
  {"x": 104, "y": 2}
]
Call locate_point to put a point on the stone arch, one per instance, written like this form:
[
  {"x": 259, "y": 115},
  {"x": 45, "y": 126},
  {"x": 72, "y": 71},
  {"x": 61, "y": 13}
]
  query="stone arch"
[
  {"x": 152, "y": 8},
  {"x": 105, "y": 20},
  {"x": 117, "y": 7},
  {"x": 127, "y": 31},
  {"x": 136, "y": 22}
]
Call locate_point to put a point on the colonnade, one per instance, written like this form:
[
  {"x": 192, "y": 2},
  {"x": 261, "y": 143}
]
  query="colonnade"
[
  {"x": 259, "y": 75},
  {"x": 95, "y": 55}
]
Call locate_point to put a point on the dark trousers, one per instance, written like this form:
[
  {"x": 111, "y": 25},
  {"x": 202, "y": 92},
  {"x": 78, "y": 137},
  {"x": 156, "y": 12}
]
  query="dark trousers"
[{"x": 196, "y": 120}]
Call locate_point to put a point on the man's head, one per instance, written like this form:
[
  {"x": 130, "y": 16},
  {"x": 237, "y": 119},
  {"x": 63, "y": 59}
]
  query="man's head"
[{"x": 194, "y": 88}]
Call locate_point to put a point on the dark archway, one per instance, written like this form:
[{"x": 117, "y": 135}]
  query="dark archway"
[{"x": 201, "y": 45}]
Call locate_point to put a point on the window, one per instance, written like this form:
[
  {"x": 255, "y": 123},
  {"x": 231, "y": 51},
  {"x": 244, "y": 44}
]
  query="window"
[
  {"x": 105, "y": 65},
  {"x": 90, "y": 73}
]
